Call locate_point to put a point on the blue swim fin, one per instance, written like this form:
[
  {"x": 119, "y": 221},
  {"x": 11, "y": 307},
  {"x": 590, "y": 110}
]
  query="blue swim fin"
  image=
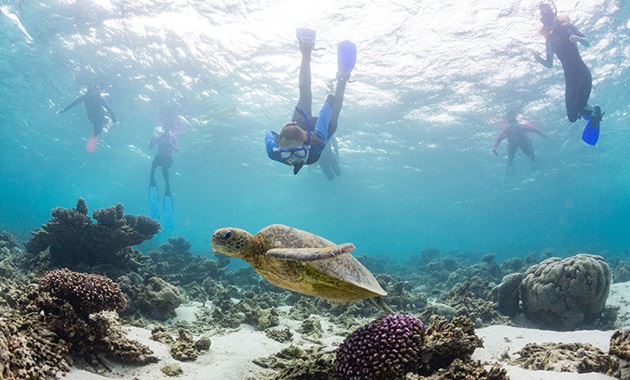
[
  {"x": 306, "y": 36},
  {"x": 168, "y": 212},
  {"x": 154, "y": 201},
  {"x": 346, "y": 57},
  {"x": 590, "y": 135}
]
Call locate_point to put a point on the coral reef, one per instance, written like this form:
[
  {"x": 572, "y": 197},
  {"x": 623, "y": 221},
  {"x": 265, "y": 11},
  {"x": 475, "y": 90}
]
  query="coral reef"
[
  {"x": 87, "y": 293},
  {"x": 459, "y": 369},
  {"x": 159, "y": 299},
  {"x": 620, "y": 344},
  {"x": 565, "y": 293},
  {"x": 294, "y": 363},
  {"x": 91, "y": 333},
  {"x": 447, "y": 341},
  {"x": 506, "y": 295},
  {"x": 186, "y": 349},
  {"x": 28, "y": 350},
  {"x": 386, "y": 348},
  {"x": 77, "y": 243},
  {"x": 565, "y": 357}
]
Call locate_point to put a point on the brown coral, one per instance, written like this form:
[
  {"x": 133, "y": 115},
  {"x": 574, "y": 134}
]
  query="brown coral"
[
  {"x": 76, "y": 242},
  {"x": 87, "y": 293}
]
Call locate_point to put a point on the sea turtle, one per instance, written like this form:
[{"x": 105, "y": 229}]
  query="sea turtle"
[{"x": 302, "y": 262}]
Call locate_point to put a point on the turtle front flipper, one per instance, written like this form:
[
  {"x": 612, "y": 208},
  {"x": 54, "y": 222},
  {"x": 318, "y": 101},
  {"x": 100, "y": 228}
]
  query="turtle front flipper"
[{"x": 310, "y": 254}]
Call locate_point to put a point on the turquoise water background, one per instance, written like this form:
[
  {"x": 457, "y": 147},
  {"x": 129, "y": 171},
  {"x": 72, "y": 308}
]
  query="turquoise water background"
[{"x": 432, "y": 81}]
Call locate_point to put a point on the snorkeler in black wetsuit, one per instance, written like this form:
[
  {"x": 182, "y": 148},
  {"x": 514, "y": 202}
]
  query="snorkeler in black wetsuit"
[
  {"x": 562, "y": 39},
  {"x": 95, "y": 105}
]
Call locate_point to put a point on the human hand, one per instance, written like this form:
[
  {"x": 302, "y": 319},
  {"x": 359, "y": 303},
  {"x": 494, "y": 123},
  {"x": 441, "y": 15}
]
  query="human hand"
[{"x": 494, "y": 150}]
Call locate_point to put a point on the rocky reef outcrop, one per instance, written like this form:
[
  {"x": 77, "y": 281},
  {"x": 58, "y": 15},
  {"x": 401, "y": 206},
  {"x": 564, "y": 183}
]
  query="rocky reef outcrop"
[{"x": 563, "y": 294}]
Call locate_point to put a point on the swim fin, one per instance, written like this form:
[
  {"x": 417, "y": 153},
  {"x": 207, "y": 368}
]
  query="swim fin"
[
  {"x": 154, "y": 201},
  {"x": 590, "y": 135},
  {"x": 346, "y": 58},
  {"x": 306, "y": 36},
  {"x": 168, "y": 212},
  {"x": 91, "y": 144}
]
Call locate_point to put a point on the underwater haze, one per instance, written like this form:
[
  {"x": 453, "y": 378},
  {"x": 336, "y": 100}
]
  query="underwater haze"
[{"x": 432, "y": 82}]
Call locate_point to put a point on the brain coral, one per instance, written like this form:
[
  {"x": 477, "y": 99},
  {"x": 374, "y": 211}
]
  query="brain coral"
[
  {"x": 563, "y": 294},
  {"x": 87, "y": 293},
  {"x": 386, "y": 348}
]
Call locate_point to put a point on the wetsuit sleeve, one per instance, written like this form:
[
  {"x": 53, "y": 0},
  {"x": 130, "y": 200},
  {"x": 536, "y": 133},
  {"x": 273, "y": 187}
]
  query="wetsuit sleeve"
[
  {"x": 499, "y": 138},
  {"x": 272, "y": 146},
  {"x": 529, "y": 128},
  {"x": 175, "y": 143},
  {"x": 153, "y": 141},
  {"x": 108, "y": 108},
  {"x": 575, "y": 31},
  {"x": 321, "y": 126},
  {"x": 78, "y": 100}
]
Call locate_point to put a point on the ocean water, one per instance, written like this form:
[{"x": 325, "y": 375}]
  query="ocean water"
[{"x": 432, "y": 80}]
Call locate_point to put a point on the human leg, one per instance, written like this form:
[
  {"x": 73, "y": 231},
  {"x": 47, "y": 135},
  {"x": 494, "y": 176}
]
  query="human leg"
[{"x": 306, "y": 97}]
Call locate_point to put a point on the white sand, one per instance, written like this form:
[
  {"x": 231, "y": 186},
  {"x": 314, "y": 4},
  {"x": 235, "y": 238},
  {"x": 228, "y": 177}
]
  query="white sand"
[{"x": 230, "y": 356}]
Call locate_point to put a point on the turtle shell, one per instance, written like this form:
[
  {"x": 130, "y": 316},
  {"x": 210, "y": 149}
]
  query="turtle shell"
[{"x": 341, "y": 278}]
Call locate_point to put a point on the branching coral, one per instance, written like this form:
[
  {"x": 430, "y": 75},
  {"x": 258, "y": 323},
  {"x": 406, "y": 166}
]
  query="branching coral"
[
  {"x": 76, "y": 242},
  {"x": 87, "y": 293}
]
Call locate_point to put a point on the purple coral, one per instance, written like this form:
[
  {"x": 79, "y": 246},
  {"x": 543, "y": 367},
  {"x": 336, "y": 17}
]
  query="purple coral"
[
  {"x": 87, "y": 293},
  {"x": 386, "y": 348}
]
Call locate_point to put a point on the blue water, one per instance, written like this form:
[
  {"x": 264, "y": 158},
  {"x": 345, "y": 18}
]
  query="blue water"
[{"x": 431, "y": 82}]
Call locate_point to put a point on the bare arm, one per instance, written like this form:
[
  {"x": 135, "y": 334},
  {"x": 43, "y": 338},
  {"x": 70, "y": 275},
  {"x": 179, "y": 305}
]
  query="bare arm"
[{"x": 548, "y": 62}]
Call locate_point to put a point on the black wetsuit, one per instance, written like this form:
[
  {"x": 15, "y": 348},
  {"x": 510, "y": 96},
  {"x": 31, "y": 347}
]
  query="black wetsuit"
[
  {"x": 577, "y": 77},
  {"x": 95, "y": 105}
]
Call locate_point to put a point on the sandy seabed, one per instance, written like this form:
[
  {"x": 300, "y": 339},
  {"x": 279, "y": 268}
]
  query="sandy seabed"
[{"x": 231, "y": 354}]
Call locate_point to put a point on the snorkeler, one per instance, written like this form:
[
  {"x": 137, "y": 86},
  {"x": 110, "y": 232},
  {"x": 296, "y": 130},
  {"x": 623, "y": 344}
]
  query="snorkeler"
[
  {"x": 561, "y": 39},
  {"x": 302, "y": 141},
  {"x": 515, "y": 132},
  {"x": 167, "y": 144},
  {"x": 95, "y": 105}
]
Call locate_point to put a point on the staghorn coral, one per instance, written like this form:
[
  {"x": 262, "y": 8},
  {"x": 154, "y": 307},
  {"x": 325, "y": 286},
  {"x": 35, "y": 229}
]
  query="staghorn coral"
[
  {"x": 79, "y": 244},
  {"x": 386, "y": 348},
  {"x": 87, "y": 293},
  {"x": 564, "y": 294}
]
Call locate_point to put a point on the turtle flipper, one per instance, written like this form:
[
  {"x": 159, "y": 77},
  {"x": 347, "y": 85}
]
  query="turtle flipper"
[
  {"x": 310, "y": 254},
  {"x": 380, "y": 303}
]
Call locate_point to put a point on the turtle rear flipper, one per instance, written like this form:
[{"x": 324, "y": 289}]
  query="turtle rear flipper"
[{"x": 310, "y": 254}]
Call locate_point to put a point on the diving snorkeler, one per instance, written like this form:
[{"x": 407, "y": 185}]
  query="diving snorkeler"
[
  {"x": 95, "y": 105},
  {"x": 515, "y": 132},
  {"x": 167, "y": 144},
  {"x": 561, "y": 39},
  {"x": 302, "y": 141}
]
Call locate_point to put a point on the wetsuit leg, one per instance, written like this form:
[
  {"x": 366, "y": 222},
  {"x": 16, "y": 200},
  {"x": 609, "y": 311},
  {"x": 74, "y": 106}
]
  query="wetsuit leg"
[
  {"x": 154, "y": 166},
  {"x": 528, "y": 149},
  {"x": 166, "y": 164},
  {"x": 339, "y": 92},
  {"x": 511, "y": 153},
  {"x": 306, "y": 96},
  {"x": 578, "y": 84}
]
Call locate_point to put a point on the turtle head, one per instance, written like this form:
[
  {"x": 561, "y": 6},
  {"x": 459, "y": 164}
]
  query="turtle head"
[{"x": 232, "y": 242}]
